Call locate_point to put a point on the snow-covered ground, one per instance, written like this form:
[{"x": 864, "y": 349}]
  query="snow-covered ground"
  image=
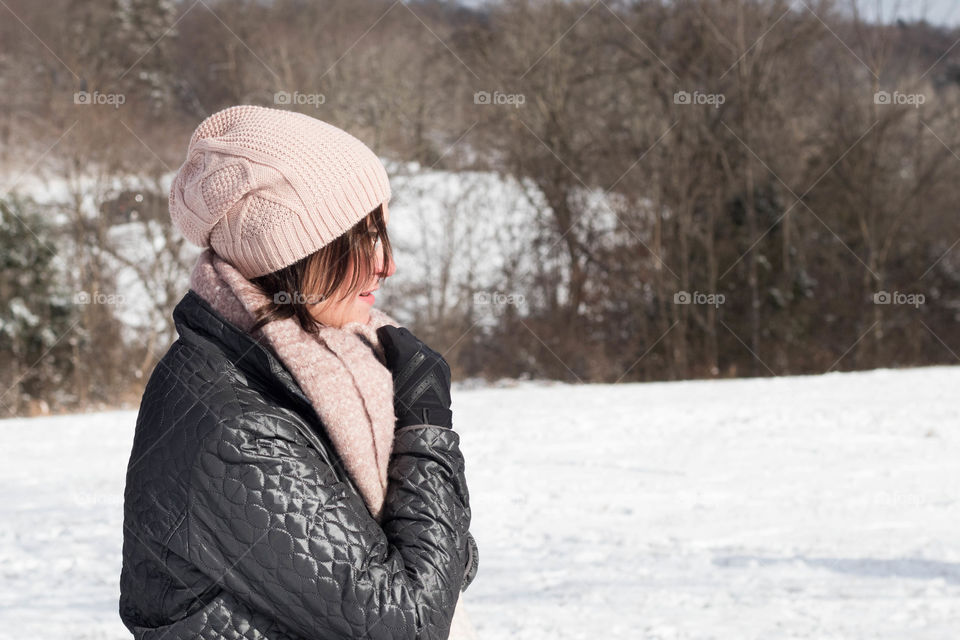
[{"x": 801, "y": 507}]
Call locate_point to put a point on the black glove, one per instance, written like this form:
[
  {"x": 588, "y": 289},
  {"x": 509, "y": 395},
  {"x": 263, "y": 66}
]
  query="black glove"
[{"x": 421, "y": 379}]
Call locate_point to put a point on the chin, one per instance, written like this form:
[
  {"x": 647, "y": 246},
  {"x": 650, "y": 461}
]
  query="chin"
[{"x": 362, "y": 315}]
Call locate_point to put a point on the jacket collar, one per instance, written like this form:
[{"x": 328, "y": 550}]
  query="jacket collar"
[{"x": 198, "y": 322}]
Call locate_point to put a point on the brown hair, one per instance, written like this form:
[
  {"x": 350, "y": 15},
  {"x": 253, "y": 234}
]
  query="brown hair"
[{"x": 318, "y": 276}]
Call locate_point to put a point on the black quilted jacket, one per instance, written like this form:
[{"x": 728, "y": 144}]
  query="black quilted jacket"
[{"x": 240, "y": 521}]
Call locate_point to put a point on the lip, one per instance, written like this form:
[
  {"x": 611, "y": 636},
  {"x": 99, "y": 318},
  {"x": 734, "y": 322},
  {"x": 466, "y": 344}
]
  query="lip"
[{"x": 370, "y": 299}]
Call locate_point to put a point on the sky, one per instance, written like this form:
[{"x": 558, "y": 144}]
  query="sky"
[
  {"x": 937, "y": 11},
  {"x": 945, "y": 12}
]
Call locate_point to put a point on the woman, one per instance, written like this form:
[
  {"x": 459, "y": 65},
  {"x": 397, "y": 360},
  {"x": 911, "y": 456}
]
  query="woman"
[{"x": 294, "y": 471}]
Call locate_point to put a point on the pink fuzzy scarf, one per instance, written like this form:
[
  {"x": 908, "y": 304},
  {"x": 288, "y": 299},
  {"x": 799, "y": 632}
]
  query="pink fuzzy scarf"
[{"x": 340, "y": 370}]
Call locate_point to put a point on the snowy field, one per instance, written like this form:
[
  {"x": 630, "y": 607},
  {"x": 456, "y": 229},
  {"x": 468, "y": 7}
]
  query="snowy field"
[{"x": 804, "y": 507}]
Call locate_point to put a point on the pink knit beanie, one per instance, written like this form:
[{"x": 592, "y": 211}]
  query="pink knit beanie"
[{"x": 266, "y": 187}]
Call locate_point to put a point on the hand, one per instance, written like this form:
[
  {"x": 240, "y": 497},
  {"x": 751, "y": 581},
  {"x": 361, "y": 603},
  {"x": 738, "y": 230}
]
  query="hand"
[{"x": 421, "y": 379}]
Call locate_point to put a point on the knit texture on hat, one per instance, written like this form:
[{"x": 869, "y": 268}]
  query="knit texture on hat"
[{"x": 266, "y": 187}]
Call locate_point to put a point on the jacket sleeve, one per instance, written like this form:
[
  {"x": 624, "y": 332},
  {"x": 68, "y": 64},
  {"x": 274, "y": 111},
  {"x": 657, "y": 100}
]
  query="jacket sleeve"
[
  {"x": 270, "y": 521},
  {"x": 473, "y": 561}
]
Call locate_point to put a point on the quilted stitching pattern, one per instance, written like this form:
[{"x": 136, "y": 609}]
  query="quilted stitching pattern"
[
  {"x": 240, "y": 521},
  {"x": 223, "y": 617}
]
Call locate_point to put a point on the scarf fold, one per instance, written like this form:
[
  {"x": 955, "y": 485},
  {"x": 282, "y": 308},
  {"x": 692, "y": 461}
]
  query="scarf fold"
[{"x": 341, "y": 371}]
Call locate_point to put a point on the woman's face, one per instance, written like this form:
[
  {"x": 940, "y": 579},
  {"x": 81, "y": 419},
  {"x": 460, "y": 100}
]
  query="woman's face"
[{"x": 336, "y": 312}]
